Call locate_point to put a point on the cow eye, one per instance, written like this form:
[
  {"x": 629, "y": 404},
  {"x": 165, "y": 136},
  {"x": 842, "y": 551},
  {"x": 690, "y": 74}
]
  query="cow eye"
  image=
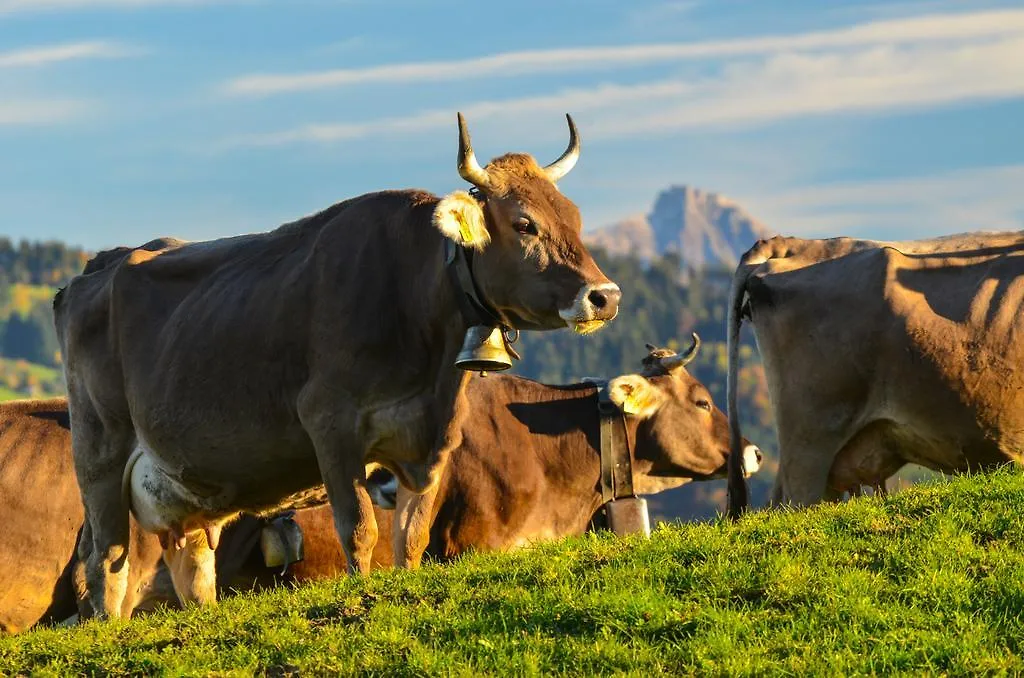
[
  {"x": 703, "y": 404},
  {"x": 525, "y": 226}
]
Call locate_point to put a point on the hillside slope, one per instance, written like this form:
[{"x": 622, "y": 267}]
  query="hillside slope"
[{"x": 928, "y": 581}]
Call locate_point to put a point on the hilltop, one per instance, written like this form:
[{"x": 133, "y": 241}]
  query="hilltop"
[
  {"x": 929, "y": 581},
  {"x": 705, "y": 229}
]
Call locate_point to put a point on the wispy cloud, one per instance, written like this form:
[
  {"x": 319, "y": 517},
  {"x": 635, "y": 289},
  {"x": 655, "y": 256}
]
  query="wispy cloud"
[
  {"x": 27, "y": 6},
  {"x": 76, "y": 51},
  {"x": 791, "y": 85},
  {"x": 36, "y": 112},
  {"x": 570, "y": 100},
  {"x": 743, "y": 94},
  {"x": 919, "y": 30},
  {"x": 986, "y": 198}
]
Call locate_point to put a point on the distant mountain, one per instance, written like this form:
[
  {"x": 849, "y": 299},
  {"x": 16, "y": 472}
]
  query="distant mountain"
[{"x": 705, "y": 229}]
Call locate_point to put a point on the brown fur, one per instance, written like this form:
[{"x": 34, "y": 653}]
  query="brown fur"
[
  {"x": 42, "y": 514},
  {"x": 879, "y": 354},
  {"x": 529, "y": 464},
  {"x": 257, "y": 367}
]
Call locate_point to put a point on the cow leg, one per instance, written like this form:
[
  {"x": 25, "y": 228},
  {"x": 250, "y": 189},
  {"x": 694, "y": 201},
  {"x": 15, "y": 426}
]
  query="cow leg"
[
  {"x": 804, "y": 472},
  {"x": 193, "y": 569},
  {"x": 344, "y": 475},
  {"x": 353, "y": 515},
  {"x": 78, "y": 578},
  {"x": 775, "y": 499},
  {"x": 100, "y": 457},
  {"x": 413, "y": 518}
]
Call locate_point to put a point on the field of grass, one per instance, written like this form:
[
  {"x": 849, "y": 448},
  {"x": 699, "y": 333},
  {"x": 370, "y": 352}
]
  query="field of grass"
[
  {"x": 22, "y": 379},
  {"x": 929, "y": 581}
]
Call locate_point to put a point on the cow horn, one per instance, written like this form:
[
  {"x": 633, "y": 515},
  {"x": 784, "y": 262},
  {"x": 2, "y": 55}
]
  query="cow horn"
[
  {"x": 561, "y": 167},
  {"x": 469, "y": 168},
  {"x": 672, "y": 362},
  {"x": 694, "y": 347}
]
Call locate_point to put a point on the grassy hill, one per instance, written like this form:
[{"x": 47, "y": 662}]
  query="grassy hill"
[{"x": 928, "y": 581}]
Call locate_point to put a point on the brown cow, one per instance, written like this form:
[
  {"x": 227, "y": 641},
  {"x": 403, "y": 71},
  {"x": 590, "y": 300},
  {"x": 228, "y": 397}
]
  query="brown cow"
[
  {"x": 41, "y": 513},
  {"x": 240, "y": 374},
  {"x": 41, "y": 510},
  {"x": 529, "y": 465},
  {"x": 879, "y": 354}
]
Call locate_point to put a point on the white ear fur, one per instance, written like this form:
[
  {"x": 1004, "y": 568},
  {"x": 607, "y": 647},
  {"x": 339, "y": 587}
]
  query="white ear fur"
[
  {"x": 634, "y": 395},
  {"x": 460, "y": 217}
]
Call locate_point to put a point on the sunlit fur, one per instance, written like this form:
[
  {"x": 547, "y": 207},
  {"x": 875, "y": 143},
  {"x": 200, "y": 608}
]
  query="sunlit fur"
[{"x": 460, "y": 217}]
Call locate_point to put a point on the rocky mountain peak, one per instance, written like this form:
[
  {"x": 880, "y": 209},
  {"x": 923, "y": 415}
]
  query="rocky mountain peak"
[{"x": 704, "y": 228}]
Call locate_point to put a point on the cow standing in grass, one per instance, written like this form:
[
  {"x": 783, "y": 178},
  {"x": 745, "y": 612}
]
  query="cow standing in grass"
[
  {"x": 239, "y": 374},
  {"x": 879, "y": 354}
]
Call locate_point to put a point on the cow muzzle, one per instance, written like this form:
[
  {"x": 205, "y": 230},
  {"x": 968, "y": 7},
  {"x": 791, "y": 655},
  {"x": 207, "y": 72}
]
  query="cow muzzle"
[
  {"x": 593, "y": 307},
  {"x": 751, "y": 460}
]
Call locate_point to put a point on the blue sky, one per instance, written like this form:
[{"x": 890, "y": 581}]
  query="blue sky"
[{"x": 122, "y": 120}]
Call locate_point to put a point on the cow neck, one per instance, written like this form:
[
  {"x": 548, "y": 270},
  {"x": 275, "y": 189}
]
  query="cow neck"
[
  {"x": 616, "y": 451},
  {"x": 458, "y": 262},
  {"x": 474, "y": 308}
]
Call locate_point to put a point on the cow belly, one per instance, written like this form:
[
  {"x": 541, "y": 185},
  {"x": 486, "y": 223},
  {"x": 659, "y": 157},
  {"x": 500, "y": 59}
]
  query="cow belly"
[
  {"x": 870, "y": 457},
  {"x": 161, "y": 503}
]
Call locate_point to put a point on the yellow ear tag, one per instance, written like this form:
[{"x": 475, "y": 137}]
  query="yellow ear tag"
[
  {"x": 632, "y": 404},
  {"x": 464, "y": 229}
]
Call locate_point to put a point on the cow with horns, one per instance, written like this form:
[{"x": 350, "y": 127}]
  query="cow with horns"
[{"x": 206, "y": 379}]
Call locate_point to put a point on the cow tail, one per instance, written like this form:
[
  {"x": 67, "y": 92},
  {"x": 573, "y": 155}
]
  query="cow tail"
[{"x": 738, "y": 494}]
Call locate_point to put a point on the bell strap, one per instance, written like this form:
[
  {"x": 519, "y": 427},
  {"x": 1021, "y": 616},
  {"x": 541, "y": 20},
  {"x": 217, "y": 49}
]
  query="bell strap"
[{"x": 616, "y": 457}]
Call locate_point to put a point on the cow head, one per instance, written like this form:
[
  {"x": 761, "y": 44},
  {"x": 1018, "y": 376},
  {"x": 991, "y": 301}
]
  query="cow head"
[
  {"x": 681, "y": 435},
  {"x": 529, "y": 263}
]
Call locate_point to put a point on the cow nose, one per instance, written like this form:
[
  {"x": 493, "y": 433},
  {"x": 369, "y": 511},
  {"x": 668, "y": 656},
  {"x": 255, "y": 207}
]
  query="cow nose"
[
  {"x": 604, "y": 299},
  {"x": 751, "y": 459},
  {"x": 593, "y": 306},
  {"x": 599, "y": 298}
]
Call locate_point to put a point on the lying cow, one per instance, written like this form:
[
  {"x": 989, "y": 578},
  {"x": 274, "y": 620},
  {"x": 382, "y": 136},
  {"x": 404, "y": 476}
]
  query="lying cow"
[
  {"x": 881, "y": 354},
  {"x": 41, "y": 511},
  {"x": 238, "y": 375},
  {"x": 529, "y": 467}
]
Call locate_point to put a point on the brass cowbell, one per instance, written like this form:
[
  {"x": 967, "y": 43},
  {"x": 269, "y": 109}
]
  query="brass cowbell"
[
  {"x": 484, "y": 350},
  {"x": 281, "y": 542}
]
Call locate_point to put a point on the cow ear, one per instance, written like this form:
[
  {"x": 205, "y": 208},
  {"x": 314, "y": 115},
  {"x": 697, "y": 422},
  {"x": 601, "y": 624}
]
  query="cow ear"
[
  {"x": 460, "y": 217},
  {"x": 635, "y": 395}
]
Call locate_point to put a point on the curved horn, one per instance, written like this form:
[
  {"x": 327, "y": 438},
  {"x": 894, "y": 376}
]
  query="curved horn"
[
  {"x": 672, "y": 362},
  {"x": 561, "y": 167},
  {"x": 694, "y": 347},
  {"x": 469, "y": 168}
]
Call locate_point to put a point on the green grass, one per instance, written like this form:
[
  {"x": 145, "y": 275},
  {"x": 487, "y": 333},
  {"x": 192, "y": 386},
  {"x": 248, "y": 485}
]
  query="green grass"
[
  {"x": 929, "y": 581},
  {"x": 7, "y": 394},
  {"x": 43, "y": 372}
]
